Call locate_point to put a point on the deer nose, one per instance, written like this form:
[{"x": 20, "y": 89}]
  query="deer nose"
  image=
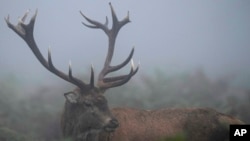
[
  {"x": 112, "y": 125},
  {"x": 114, "y": 122}
]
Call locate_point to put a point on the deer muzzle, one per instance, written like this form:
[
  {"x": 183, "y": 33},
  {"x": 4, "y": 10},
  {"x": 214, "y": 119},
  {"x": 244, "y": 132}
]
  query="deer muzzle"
[{"x": 112, "y": 125}]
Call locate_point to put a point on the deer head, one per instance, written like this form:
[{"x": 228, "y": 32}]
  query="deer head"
[{"x": 86, "y": 110}]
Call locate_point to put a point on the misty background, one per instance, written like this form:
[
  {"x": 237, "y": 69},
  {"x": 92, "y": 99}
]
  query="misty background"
[
  {"x": 168, "y": 35},
  {"x": 191, "y": 53}
]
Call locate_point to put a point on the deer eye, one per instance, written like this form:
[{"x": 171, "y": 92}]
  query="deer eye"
[{"x": 87, "y": 104}]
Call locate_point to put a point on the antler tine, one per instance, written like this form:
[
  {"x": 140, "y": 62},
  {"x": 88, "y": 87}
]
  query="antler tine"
[
  {"x": 122, "y": 79},
  {"x": 96, "y": 24},
  {"x": 21, "y": 28},
  {"x": 117, "y": 25},
  {"x": 124, "y": 63},
  {"x": 25, "y": 31},
  {"x": 92, "y": 80},
  {"x": 25, "y": 16}
]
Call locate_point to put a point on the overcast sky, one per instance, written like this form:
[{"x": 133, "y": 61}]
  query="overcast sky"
[{"x": 167, "y": 34}]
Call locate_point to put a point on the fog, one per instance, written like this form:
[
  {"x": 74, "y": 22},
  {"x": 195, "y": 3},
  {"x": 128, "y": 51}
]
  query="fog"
[
  {"x": 168, "y": 35},
  {"x": 193, "y": 53}
]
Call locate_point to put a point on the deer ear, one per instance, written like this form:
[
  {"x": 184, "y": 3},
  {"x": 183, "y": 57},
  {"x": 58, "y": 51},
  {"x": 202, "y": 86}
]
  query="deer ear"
[{"x": 71, "y": 97}]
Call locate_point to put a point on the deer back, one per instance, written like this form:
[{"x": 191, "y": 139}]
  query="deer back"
[{"x": 192, "y": 124}]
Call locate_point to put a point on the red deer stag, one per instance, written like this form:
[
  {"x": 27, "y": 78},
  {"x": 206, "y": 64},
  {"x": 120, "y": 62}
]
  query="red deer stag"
[{"x": 87, "y": 117}]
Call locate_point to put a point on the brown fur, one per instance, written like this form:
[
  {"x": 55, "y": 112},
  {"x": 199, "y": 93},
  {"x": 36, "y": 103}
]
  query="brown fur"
[{"x": 195, "y": 124}]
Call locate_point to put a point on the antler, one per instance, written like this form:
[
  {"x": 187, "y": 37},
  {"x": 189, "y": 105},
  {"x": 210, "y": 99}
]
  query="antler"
[
  {"x": 25, "y": 31},
  {"x": 108, "y": 82}
]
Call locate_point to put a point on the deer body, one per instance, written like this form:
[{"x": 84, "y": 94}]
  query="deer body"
[
  {"x": 195, "y": 124},
  {"x": 87, "y": 117}
]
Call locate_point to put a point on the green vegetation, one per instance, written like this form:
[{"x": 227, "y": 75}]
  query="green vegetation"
[
  {"x": 10, "y": 135},
  {"x": 179, "y": 137},
  {"x": 35, "y": 115}
]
